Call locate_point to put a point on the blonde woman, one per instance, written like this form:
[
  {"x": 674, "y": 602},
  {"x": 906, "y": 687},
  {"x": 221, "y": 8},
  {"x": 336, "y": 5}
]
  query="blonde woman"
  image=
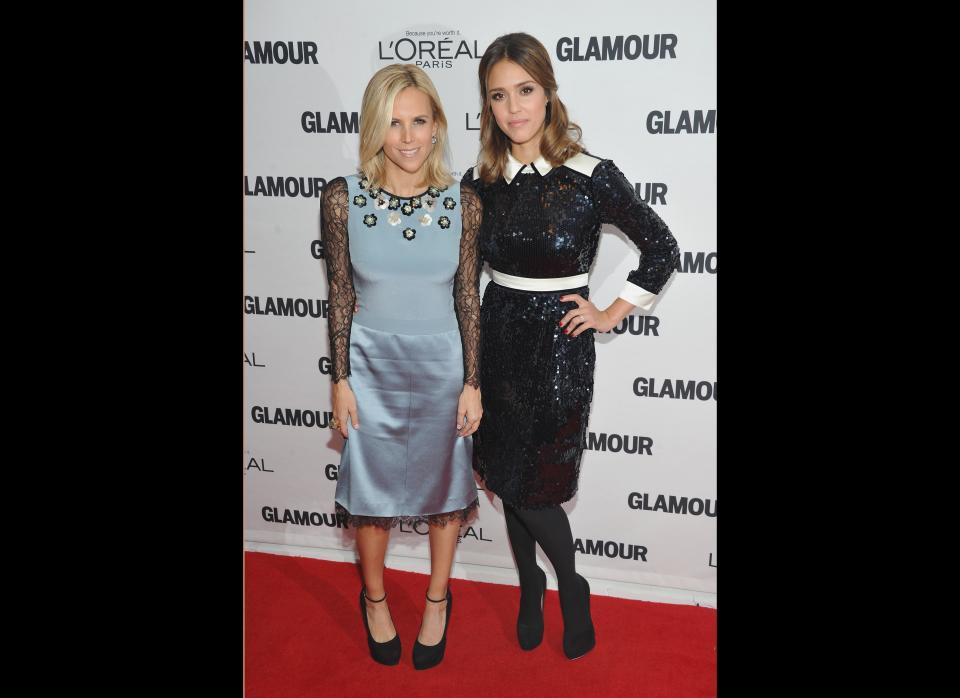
[
  {"x": 400, "y": 240},
  {"x": 545, "y": 199}
]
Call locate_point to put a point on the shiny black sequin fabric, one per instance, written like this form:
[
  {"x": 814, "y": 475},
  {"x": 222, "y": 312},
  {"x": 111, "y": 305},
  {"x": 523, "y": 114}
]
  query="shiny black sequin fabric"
[
  {"x": 537, "y": 386},
  {"x": 536, "y": 381},
  {"x": 549, "y": 226}
]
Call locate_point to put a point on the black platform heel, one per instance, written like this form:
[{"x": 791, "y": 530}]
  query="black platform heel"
[
  {"x": 530, "y": 634},
  {"x": 580, "y": 639},
  {"x": 384, "y": 652},
  {"x": 426, "y": 656}
]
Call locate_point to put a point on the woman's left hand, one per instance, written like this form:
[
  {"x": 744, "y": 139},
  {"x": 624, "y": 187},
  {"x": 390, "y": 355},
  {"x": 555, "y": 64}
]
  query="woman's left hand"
[
  {"x": 586, "y": 315},
  {"x": 470, "y": 408}
]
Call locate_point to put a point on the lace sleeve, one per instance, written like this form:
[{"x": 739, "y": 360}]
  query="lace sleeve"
[
  {"x": 334, "y": 210},
  {"x": 620, "y": 205},
  {"x": 466, "y": 286}
]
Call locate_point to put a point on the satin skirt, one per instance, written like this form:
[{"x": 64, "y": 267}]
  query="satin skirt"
[
  {"x": 405, "y": 462},
  {"x": 537, "y": 387}
]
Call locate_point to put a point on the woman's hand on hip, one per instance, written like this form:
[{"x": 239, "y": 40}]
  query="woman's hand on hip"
[{"x": 585, "y": 316}]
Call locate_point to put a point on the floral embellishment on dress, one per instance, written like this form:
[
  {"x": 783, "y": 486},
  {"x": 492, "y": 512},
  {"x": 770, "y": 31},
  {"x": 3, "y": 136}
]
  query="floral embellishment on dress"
[
  {"x": 433, "y": 191},
  {"x": 381, "y": 204},
  {"x": 393, "y": 218},
  {"x": 394, "y": 203},
  {"x": 409, "y": 233},
  {"x": 443, "y": 222},
  {"x": 360, "y": 200},
  {"x": 449, "y": 203},
  {"x": 425, "y": 219},
  {"x": 375, "y": 193},
  {"x": 407, "y": 209},
  {"x": 415, "y": 202},
  {"x": 370, "y": 220},
  {"x": 363, "y": 182},
  {"x": 430, "y": 205}
]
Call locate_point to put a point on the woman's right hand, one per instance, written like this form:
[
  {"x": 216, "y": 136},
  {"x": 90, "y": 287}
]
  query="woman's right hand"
[{"x": 344, "y": 407}]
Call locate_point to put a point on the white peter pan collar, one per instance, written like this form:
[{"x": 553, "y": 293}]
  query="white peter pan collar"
[{"x": 515, "y": 167}]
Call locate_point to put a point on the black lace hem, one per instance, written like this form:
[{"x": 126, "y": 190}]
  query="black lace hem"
[{"x": 387, "y": 522}]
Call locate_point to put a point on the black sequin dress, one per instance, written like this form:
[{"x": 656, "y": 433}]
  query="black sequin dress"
[{"x": 537, "y": 382}]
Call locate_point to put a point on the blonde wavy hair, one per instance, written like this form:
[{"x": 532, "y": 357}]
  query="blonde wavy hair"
[
  {"x": 561, "y": 137},
  {"x": 376, "y": 112}
]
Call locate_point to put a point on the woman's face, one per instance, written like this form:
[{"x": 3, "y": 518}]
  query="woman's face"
[
  {"x": 412, "y": 126},
  {"x": 518, "y": 102}
]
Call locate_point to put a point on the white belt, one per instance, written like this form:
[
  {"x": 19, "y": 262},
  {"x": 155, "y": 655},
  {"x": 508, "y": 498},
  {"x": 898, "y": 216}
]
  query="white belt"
[{"x": 525, "y": 283}]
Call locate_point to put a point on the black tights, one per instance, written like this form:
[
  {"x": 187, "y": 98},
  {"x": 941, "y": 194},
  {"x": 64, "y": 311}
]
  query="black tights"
[{"x": 551, "y": 529}]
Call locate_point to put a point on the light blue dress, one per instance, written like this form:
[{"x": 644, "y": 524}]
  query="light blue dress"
[{"x": 406, "y": 461}]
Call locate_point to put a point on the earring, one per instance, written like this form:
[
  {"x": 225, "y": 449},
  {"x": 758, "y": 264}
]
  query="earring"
[{"x": 433, "y": 140}]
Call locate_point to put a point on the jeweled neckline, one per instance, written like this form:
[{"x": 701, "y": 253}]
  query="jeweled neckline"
[{"x": 383, "y": 199}]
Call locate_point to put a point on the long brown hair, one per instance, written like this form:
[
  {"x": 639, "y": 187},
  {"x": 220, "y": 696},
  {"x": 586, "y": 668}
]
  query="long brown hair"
[
  {"x": 375, "y": 113},
  {"x": 561, "y": 137}
]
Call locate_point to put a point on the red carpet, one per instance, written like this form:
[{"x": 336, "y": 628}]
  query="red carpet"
[{"x": 304, "y": 637}]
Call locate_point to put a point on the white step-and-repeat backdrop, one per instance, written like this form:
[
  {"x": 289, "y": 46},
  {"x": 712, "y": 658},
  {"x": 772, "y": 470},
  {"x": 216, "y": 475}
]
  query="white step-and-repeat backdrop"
[{"x": 640, "y": 78}]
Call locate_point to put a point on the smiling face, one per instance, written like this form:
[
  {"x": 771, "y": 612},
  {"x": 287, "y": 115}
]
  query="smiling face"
[
  {"x": 518, "y": 103},
  {"x": 412, "y": 125}
]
